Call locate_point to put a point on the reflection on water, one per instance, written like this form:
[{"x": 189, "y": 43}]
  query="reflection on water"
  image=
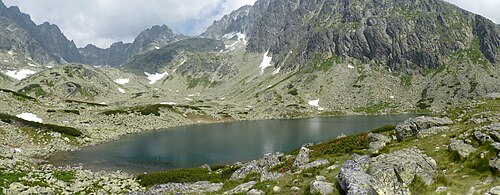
[{"x": 194, "y": 145}]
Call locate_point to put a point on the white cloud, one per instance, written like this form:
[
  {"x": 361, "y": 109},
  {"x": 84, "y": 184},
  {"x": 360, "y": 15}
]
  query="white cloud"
[
  {"x": 103, "y": 22},
  {"x": 486, "y": 8}
]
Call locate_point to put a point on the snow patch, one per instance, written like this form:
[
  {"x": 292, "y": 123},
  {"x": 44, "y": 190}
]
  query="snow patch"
[
  {"x": 189, "y": 99},
  {"x": 314, "y": 103},
  {"x": 49, "y": 66},
  {"x": 277, "y": 71},
  {"x": 32, "y": 65},
  {"x": 168, "y": 103},
  {"x": 153, "y": 78},
  {"x": 184, "y": 61},
  {"x": 392, "y": 97},
  {"x": 156, "y": 47},
  {"x": 242, "y": 38},
  {"x": 18, "y": 150},
  {"x": 5, "y": 60},
  {"x": 121, "y": 90},
  {"x": 30, "y": 117},
  {"x": 11, "y": 53},
  {"x": 20, "y": 75},
  {"x": 350, "y": 66},
  {"x": 122, "y": 81},
  {"x": 266, "y": 62}
]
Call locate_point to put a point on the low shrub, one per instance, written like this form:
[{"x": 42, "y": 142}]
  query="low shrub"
[
  {"x": 344, "y": 145},
  {"x": 383, "y": 129},
  {"x": 65, "y": 176},
  {"x": 186, "y": 176}
]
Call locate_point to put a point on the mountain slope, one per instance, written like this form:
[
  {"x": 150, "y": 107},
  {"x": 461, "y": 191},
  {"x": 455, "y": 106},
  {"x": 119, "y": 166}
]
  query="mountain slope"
[
  {"x": 43, "y": 43},
  {"x": 403, "y": 35},
  {"x": 118, "y": 53}
]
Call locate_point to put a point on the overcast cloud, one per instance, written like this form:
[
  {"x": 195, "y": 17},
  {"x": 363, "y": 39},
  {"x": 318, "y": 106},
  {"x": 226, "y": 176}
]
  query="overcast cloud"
[{"x": 102, "y": 22}]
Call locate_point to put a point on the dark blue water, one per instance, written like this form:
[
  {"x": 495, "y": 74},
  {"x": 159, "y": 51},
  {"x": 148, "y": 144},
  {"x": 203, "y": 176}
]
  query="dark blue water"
[{"x": 214, "y": 144}]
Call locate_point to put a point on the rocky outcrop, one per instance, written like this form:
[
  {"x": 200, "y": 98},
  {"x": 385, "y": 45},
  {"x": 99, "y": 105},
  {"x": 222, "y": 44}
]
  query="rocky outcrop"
[
  {"x": 495, "y": 164},
  {"x": 303, "y": 157},
  {"x": 405, "y": 35},
  {"x": 44, "y": 43},
  {"x": 260, "y": 166},
  {"x": 377, "y": 142},
  {"x": 420, "y": 126},
  {"x": 119, "y": 52},
  {"x": 201, "y": 187},
  {"x": 242, "y": 188},
  {"x": 463, "y": 149},
  {"x": 321, "y": 186},
  {"x": 386, "y": 174}
]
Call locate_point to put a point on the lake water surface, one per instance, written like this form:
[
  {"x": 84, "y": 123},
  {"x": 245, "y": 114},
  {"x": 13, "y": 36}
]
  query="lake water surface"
[{"x": 215, "y": 144}]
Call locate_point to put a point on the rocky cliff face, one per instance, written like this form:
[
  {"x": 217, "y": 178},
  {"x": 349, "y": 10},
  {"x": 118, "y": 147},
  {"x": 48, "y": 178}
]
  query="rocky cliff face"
[
  {"x": 43, "y": 43},
  {"x": 150, "y": 39},
  {"x": 403, "y": 35}
]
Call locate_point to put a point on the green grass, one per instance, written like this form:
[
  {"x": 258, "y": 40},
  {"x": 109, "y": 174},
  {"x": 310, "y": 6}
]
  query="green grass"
[
  {"x": 33, "y": 88},
  {"x": 383, "y": 129},
  {"x": 7, "y": 178},
  {"x": 346, "y": 145},
  {"x": 24, "y": 123},
  {"x": 153, "y": 109},
  {"x": 65, "y": 176},
  {"x": 17, "y": 94},
  {"x": 406, "y": 80},
  {"x": 189, "y": 175}
]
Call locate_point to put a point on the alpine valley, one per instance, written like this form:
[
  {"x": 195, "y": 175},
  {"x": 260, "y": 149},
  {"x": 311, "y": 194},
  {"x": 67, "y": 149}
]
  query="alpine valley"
[{"x": 276, "y": 59}]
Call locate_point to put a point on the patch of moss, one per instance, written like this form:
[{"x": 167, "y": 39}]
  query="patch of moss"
[
  {"x": 7, "y": 178},
  {"x": 406, "y": 80},
  {"x": 17, "y": 94},
  {"x": 65, "y": 176},
  {"x": 346, "y": 145},
  {"x": 383, "y": 129},
  {"x": 87, "y": 103},
  {"x": 33, "y": 88}
]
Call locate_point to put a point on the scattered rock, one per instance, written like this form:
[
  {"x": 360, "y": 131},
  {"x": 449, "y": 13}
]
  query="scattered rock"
[
  {"x": 206, "y": 166},
  {"x": 302, "y": 158},
  {"x": 201, "y": 187},
  {"x": 270, "y": 176},
  {"x": 333, "y": 167},
  {"x": 463, "y": 149},
  {"x": 492, "y": 96},
  {"x": 482, "y": 137},
  {"x": 255, "y": 192},
  {"x": 242, "y": 188},
  {"x": 320, "y": 178},
  {"x": 295, "y": 188},
  {"x": 276, "y": 189},
  {"x": 441, "y": 189},
  {"x": 414, "y": 126},
  {"x": 378, "y": 141},
  {"x": 495, "y": 164},
  {"x": 321, "y": 187},
  {"x": 495, "y": 190},
  {"x": 314, "y": 164},
  {"x": 432, "y": 131},
  {"x": 342, "y": 135}
]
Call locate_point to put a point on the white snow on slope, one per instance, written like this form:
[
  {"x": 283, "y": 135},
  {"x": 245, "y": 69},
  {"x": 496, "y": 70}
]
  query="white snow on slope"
[
  {"x": 122, "y": 81},
  {"x": 153, "y": 78},
  {"x": 156, "y": 47},
  {"x": 350, "y": 66},
  {"x": 242, "y": 38},
  {"x": 266, "y": 62},
  {"x": 168, "y": 103},
  {"x": 30, "y": 117},
  {"x": 121, "y": 90},
  {"x": 32, "y": 65},
  {"x": 20, "y": 75},
  {"x": 277, "y": 71},
  {"x": 10, "y": 52},
  {"x": 314, "y": 103}
]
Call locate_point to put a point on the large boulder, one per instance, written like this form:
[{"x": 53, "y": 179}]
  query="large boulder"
[
  {"x": 463, "y": 149},
  {"x": 242, "y": 188},
  {"x": 353, "y": 178},
  {"x": 377, "y": 142},
  {"x": 259, "y": 166},
  {"x": 386, "y": 174},
  {"x": 321, "y": 187},
  {"x": 420, "y": 126},
  {"x": 302, "y": 158},
  {"x": 316, "y": 163},
  {"x": 495, "y": 164}
]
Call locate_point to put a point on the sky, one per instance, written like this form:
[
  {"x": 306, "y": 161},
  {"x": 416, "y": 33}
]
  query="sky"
[{"x": 103, "y": 22}]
